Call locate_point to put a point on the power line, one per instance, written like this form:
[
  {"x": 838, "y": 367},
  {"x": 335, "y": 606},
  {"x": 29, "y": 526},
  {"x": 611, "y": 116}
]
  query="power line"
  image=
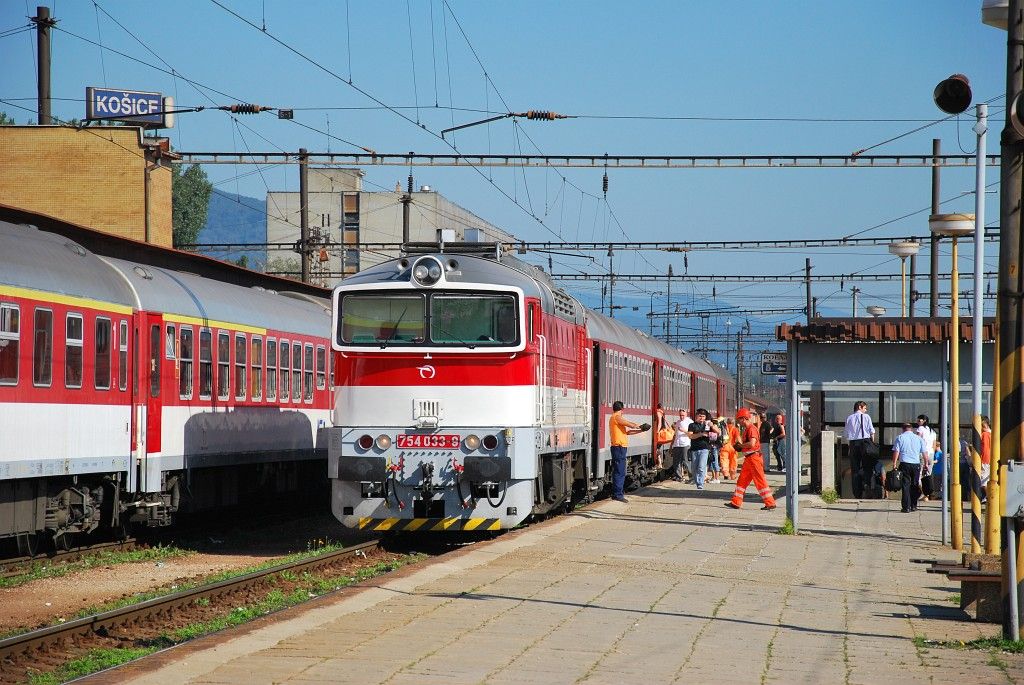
[{"x": 715, "y": 278}]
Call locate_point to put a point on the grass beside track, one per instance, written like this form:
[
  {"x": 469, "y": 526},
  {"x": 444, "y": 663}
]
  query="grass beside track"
[{"x": 41, "y": 569}]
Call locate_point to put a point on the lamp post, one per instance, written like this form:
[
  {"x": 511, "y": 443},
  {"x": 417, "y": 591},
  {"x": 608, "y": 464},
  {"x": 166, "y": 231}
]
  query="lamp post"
[
  {"x": 904, "y": 249},
  {"x": 954, "y": 226}
]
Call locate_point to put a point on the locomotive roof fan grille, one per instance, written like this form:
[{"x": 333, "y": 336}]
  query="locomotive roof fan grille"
[{"x": 427, "y": 271}]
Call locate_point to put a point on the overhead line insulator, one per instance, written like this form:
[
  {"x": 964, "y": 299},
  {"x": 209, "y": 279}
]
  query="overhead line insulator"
[{"x": 245, "y": 108}]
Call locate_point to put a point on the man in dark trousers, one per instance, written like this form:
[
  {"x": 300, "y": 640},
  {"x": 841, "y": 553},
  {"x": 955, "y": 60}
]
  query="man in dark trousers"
[
  {"x": 619, "y": 430},
  {"x": 859, "y": 432},
  {"x": 907, "y": 452}
]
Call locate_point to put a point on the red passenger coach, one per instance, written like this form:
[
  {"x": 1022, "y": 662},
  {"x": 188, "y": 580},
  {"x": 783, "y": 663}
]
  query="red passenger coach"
[
  {"x": 473, "y": 394},
  {"x": 129, "y": 392}
]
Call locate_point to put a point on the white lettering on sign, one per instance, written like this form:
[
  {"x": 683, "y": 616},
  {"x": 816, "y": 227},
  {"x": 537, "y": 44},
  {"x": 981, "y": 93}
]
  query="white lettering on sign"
[{"x": 126, "y": 105}]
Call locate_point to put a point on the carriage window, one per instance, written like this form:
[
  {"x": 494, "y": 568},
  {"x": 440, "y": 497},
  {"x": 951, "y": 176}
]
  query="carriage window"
[
  {"x": 169, "y": 342},
  {"x": 382, "y": 319},
  {"x": 296, "y": 371},
  {"x": 154, "y": 361},
  {"x": 73, "y": 351},
  {"x": 223, "y": 365},
  {"x": 240, "y": 366},
  {"x": 10, "y": 337},
  {"x": 257, "y": 368},
  {"x": 321, "y": 367},
  {"x": 122, "y": 357},
  {"x": 101, "y": 370},
  {"x": 271, "y": 369},
  {"x": 474, "y": 320},
  {"x": 285, "y": 373},
  {"x": 185, "y": 364},
  {"x": 42, "y": 349},
  {"x": 307, "y": 376},
  {"x": 205, "y": 364}
]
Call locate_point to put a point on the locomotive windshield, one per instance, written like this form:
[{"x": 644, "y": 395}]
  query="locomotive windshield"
[{"x": 442, "y": 319}]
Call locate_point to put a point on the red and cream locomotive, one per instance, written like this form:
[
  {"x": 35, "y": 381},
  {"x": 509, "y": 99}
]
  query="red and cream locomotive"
[{"x": 472, "y": 393}]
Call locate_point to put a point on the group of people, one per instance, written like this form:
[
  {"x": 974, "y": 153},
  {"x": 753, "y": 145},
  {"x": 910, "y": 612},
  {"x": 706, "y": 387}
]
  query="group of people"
[
  {"x": 703, "y": 444},
  {"x": 916, "y": 455}
]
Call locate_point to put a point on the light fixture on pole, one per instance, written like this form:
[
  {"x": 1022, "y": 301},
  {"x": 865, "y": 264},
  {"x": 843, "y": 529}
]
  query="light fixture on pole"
[
  {"x": 954, "y": 226},
  {"x": 904, "y": 249},
  {"x": 875, "y": 310}
]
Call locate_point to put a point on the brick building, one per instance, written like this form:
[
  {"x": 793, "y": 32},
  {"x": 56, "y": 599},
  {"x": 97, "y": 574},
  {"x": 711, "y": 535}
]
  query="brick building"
[{"x": 109, "y": 178}]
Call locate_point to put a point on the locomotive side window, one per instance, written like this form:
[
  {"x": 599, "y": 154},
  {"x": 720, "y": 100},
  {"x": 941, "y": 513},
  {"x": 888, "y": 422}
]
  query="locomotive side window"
[
  {"x": 257, "y": 367},
  {"x": 42, "y": 349},
  {"x": 307, "y": 376},
  {"x": 122, "y": 357},
  {"x": 73, "y": 351},
  {"x": 382, "y": 319},
  {"x": 205, "y": 364},
  {"x": 10, "y": 337},
  {"x": 185, "y": 352},
  {"x": 271, "y": 369},
  {"x": 223, "y": 365},
  {"x": 296, "y": 371},
  {"x": 101, "y": 370},
  {"x": 285, "y": 372},
  {"x": 474, "y": 320},
  {"x": 169, "y": 342},
  {"x": 321, "y": 367},
  {"x": 240, "y": 366}
]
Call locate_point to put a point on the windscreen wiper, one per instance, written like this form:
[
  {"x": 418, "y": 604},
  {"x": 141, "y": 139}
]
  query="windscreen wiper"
[{"x": 394, "y": 331}]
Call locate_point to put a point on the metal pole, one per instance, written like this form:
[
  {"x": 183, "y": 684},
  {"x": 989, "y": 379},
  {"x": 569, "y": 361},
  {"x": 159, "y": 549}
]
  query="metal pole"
[
  {"x": 611, "y": 283},
  {"x": 854, "y": 293},
  {"x": 1013, "y": 588},
  {"x": 957, "y": 518},
  {"x": 793, "y": 437},
  {"x": 43, "y": 24},
  {"x": 992, "y": 533},
  {"x": 304, "y": 212},
  {"x": 807, "y": 279},
  {"x": 976, "y": 352},
  {"x": 668, "y": 301},
  {"x": 1011, "y": 400},
  {"x": 948, "y": 443},
  {"x": 406, "y": 200},
  {"x": 739, "y": 368},
  {"x": 913, "y": 283},
  {"x": 651, "y": 318},
  {"x": 933, "y": 308}
]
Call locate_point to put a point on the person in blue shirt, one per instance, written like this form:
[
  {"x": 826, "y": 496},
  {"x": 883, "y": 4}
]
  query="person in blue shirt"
[
  {"x": 938, "y": 471},
  {"x": 907, "y": 452}
]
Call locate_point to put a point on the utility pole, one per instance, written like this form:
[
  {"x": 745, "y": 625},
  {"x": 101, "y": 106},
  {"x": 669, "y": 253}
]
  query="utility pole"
[
  {"x": 611, "y": 283},
  {"x": 43, "y": 24},
  {"x": 1008, "y": 305},
  {"x": 668, "y": 299},
  {"x": 739, "y": 367},
  {"x": 814, "y": 307},
  {"x": 913, "y": 284},
  {"x": 807, "y": 280},
  {"x": 933, "y": 308},
  {"x": 854, "y": 293},
  {"x": 304, "y": 212},
  {"x": 406, "y": 200}
]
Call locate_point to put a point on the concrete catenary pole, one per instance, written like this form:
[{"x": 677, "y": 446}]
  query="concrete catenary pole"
[
  {"x": 1011, "y": 402},
  {"x": 43, "y": 24},
  {"x": 304, "y": 212},
  {"x": 933, "y": 288},
  {"x": 913, "y": 285},
  {"x": 980, "y": 129},
  {"x": 807, "y": 281}
]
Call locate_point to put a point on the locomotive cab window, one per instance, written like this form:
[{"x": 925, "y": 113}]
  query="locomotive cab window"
[
  {"x": 10, "y": 336},
  {"x": 73, "y": 351},
  {"x": 473, "y": 320},
  {"x": 382, "y": 319}
]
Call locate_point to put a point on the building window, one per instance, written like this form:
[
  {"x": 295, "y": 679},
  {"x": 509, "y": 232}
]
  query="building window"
[
  {"x": 240, "y": 365},
  {"x": 10, "y": 337},
  {"x": 271, "y": 369},
  {"x": 296, "y": 371},
  {"x": 169, "y": 342},
  {"x": 73, "y": 351},
  {"x": 321, "y": 367},
  {"x": 122, "y": 357},
  {"x": 307, "y": 376},
  {"x": 185, "y": 357},
  {"x": 42, "y": 349},
  {"x": 285, "y": 374},
  {"x": 223, "y": 365},
  {"x": 205, "y": 364},
  {"x": 257, "y": 368},
  {"x": 101, "y": 370}
]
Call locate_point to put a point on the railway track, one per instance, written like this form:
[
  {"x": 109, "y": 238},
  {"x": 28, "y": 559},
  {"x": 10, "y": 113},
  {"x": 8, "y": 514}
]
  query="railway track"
[
  {"x": 15, "y": 566},
  {"x": 20, "y": 645}
]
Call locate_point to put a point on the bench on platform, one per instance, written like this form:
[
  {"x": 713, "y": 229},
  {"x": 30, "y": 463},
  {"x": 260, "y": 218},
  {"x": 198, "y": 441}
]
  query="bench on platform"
[{"x": 980, "y": 578}]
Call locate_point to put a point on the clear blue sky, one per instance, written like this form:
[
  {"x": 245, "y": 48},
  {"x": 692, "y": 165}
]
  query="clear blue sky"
[{"x": 876, "y": 60}]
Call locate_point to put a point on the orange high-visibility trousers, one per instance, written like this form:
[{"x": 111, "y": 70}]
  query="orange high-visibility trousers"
[
  {"x": 753, "y": 470},
  {"x": 728, "y": 459}
]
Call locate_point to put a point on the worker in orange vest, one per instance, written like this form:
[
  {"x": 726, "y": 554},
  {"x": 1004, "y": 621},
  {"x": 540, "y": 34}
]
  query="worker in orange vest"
[
  {"x": 728, "y": 456},
  {"x": 753, "y": 464}
]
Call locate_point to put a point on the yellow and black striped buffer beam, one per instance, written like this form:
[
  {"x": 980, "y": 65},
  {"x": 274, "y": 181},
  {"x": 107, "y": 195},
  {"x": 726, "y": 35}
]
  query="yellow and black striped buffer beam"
[{"x": 426, "y": 524}]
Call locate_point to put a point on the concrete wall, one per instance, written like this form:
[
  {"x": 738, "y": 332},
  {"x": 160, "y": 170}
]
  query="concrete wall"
[{"x": 94, "y": 177}]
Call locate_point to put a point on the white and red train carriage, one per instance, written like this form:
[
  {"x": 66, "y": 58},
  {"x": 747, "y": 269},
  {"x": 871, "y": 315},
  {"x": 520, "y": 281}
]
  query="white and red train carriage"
[
  {"x": 130, "y": 391},
  {"x": 472, "y": 393}
]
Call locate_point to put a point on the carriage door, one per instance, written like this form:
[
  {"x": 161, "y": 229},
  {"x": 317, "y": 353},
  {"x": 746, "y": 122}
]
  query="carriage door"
[{"x": 153, "y": 345}]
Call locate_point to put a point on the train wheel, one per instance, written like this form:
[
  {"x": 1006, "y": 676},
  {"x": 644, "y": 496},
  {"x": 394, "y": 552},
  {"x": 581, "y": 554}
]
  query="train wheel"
[
  {"x": 62, "y": 542},
  {"x": 28, "y": 544}
]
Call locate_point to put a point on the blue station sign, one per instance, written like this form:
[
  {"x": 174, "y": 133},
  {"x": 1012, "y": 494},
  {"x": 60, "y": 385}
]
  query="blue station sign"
[{"x": 133, "y": 106}]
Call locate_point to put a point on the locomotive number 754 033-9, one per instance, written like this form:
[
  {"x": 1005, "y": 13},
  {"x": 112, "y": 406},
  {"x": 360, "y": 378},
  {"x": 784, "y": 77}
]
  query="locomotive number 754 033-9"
[{"x": 436, "y": 441}]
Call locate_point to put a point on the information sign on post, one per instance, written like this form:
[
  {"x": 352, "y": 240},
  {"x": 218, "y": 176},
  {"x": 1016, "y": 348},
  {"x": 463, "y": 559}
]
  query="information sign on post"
[
  {"x": 774, "y": 364},
  {"x": 143, "y": 108}
]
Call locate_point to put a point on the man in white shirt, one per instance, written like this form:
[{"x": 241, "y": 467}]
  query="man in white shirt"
[
  {"x": 928, "y": 437},
  {"x": 859, "y": 432},
  {"x": 681, "y": 446}
]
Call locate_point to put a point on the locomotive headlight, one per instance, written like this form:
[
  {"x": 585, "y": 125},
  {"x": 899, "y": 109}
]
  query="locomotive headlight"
[
  {"x": 383, "y": 442},
  {"x": 365, "y": 442},
  {"x": 472, "y": 442},
  {"x": 427, "y": 271},
  {"x": 490, "y": 442}
]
